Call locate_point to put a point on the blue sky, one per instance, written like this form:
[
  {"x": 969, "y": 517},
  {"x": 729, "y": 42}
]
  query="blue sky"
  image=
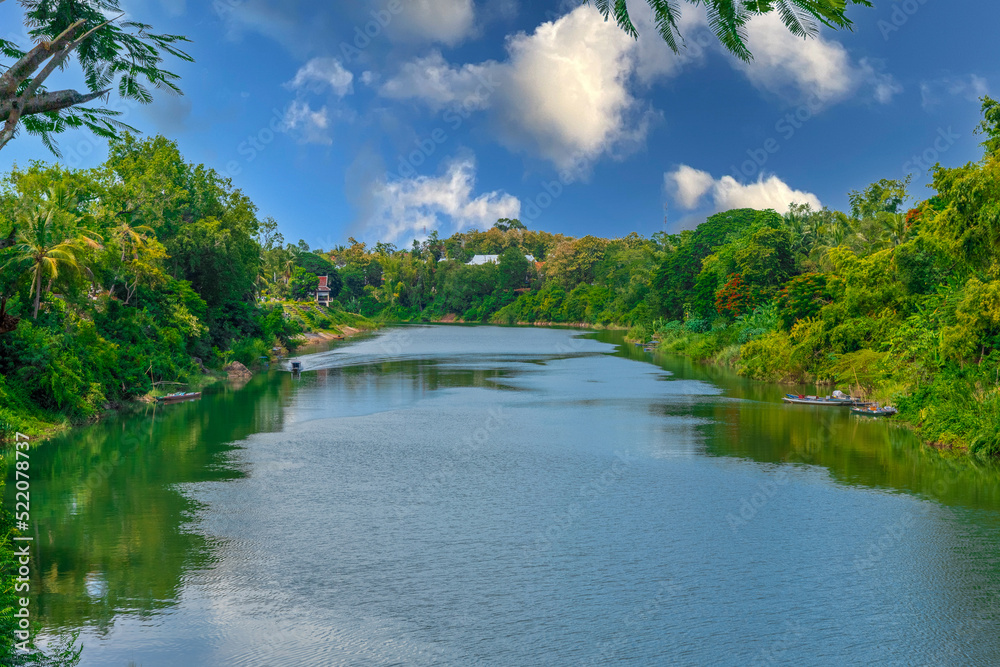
[{"x": 381, "y": 119}]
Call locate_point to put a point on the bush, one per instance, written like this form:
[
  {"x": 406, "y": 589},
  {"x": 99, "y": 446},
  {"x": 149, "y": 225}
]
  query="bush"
[
  {"x": 770, "y": 358},
  {"x": 698, "y": 325}
]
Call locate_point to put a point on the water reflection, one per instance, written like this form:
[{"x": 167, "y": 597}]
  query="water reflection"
[{"x": 348, "y": 516}]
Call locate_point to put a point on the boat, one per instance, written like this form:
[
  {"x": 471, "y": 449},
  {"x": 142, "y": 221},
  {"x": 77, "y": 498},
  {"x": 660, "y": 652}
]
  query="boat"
[
  {"x": 836, "y": 401},
  {"x": 875, "y": 411},
  {"x": 179, "y": 396},
  {"x": 296, "y": 366}
]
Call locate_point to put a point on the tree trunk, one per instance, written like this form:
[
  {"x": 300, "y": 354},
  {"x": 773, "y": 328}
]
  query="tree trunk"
[{"x": 38, "y": 290}]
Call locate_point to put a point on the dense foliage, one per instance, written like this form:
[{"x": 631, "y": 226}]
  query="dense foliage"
[
  {"x": 120, "y": 279},
  {"x": 898, "y": 302}
]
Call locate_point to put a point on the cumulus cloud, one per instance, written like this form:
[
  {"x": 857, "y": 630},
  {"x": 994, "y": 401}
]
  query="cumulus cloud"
[
  {"x": 564, "y": 89},
  {"x": 404, "y": 208},
  {"x": 562, "y": 93},
  {"x": 310, "y": 126},
  {"x": 689, "y": 186},
  {"x": 444, "y": 21},
  {"x": 320, "y": 74},
  {"x": 435, "y": 82},
  {"x": 813, "y": 68},
  {"x": 934, "y": 92}
]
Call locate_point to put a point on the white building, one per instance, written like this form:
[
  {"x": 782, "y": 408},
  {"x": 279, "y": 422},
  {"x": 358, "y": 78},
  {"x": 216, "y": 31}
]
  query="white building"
[{"x": 479, "y": 260}]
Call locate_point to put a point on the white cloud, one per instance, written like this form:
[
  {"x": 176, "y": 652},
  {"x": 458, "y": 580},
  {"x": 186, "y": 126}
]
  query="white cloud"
[
  {"x": 403, "y": 208},
  {"x": 444, "y": 21},
  {"x": 562, "y": 94},
  {"x": 971, "y": 88},
  {"x": 564, "y": 91},
  {"x": 434, "y": 81},
  {"x": 689, "y": 186},
  {"x": 814, "y": 68},
  {"x": 654, "y": 59},
  {"x": 321, "y": 73},
  {"x": 311, "y": 127}
]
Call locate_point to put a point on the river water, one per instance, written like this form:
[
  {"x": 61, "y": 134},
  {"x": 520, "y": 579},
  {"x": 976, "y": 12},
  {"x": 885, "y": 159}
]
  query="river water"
[{"x": 511, "y": 496}]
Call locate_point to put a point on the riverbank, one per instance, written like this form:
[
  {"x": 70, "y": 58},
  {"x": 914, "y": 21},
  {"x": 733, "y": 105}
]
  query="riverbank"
[
  {"x": 710, "y": 458},
  {"x": 318, "y": 326},
  {"x": 954, "y": 408},
  {"x": 453, "y": 318}
]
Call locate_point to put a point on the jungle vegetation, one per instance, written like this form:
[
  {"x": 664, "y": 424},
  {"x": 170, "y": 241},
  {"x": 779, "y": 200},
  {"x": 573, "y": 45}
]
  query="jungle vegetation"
[{"x": 897, "y": 298}]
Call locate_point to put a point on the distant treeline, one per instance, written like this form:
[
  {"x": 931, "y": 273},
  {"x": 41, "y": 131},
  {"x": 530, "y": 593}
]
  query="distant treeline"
[{"x": 895, "y": 298}]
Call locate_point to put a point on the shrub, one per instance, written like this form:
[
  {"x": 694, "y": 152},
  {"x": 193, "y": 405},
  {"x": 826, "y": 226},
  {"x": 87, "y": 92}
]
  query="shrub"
[{"x": 698, "y": 325}]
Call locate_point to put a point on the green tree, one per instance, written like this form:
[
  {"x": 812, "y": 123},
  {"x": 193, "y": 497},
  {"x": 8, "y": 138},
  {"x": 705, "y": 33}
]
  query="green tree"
[
  {"x": 123, "y": 56},
  {"x": 303, "y": 283},
  {"x": 728, "y": 18},
  {"x": 48, "y": 239},
  {"x": 512, "y": 269},
  {"x": 990, "y": 125}
]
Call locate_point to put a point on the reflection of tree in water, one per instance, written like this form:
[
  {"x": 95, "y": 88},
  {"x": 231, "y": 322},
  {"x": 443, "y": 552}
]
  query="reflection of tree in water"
[
  {"x": 855, "y": 450},
  {"x": 112, "y": 523},
  {"x": 109, "y": 519}
]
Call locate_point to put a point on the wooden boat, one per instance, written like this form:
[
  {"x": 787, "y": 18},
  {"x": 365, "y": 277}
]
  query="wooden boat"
[
  {"x": 179, "y": 396},
  {"x": 874, "y": 411},
  {"x": 824, "y": 400}
]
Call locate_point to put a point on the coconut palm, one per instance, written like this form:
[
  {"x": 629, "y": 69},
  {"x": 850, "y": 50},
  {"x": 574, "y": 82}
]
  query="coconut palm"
[
  {"x": 895, "y": 229},
  {"x": 728, "y": 18},
  {"x": 49, "y": 239},
  {"x": 131, "y": 238}
]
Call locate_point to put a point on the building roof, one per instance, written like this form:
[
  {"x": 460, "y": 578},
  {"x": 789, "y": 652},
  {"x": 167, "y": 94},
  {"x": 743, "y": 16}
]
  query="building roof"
[{"x": 479, "y": 260}]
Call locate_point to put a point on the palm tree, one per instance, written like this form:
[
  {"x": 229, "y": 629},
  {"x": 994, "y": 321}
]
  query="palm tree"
[
  {"x": 728, "y": 18},
  {"x": 895, "y": 229},
  {"x": 49, "y": 238},
  {"x": 132, "y": 237}
]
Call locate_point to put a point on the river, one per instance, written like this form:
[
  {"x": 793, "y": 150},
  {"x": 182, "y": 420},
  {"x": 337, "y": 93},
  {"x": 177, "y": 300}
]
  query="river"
[{"x": 511, "y": 496}]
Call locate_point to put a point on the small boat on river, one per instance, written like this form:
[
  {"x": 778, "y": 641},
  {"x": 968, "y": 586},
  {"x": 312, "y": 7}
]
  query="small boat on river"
[
  {"x": 874, "y": 411},
  {"x": 179, "y": 396},
  {"x": 838, "y": 399}
]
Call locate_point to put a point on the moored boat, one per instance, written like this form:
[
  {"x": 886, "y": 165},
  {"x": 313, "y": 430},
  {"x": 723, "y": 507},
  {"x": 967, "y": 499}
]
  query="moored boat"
[
  {"x": 874, "y": 411},
  {"x": 179, "y": 396},
  {"x": 836, "y": 401}
]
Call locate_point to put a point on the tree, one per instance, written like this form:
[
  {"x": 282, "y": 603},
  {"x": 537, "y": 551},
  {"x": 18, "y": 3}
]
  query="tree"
[
  {"x": 303, "y": 283},
  {"x": 990, "y": 125},
  {"x": 728, "y": 18},
  {"x": 883, "y": 196},
  {"x": 507, "y": 224},
  {"x": 48, "y": 239},
  {"x": 106, "y": 51},
  {"x": 513, "y": 269}
]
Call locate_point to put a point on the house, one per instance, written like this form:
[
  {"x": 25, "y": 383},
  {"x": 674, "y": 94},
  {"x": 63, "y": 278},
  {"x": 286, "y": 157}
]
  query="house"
[
  {"x": 479, "y": 260},
  {"x": 323, "y": 291}
]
